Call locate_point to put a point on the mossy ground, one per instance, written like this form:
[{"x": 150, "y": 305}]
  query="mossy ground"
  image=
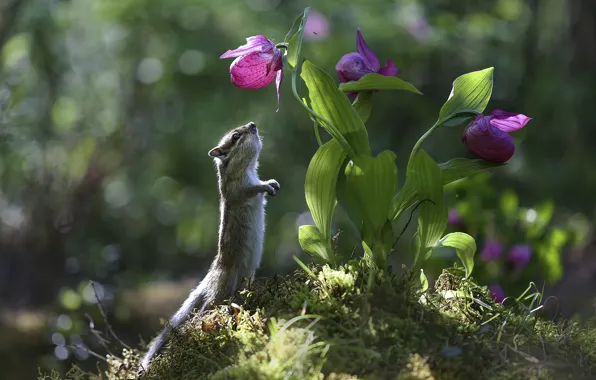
[{"x": 346, "y": 324}]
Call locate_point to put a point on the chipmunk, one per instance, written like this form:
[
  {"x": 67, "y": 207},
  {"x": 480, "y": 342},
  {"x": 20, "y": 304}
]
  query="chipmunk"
[{"x": 241, "y": 227}]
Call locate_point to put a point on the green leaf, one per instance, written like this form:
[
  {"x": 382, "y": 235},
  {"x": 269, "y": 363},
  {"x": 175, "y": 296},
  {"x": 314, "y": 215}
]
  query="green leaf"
[
  {"x": 387, "y": 237},
  {"x": 340, "y": 119},
  {"x": 320, "y": 184},
  {"x": 423, "y": 282},
  {"x": 370, "y": 184},
  {"x": 426, "y": 177},
  {"x": 295, "y": 26},
  {"x": 458, "y": 120},
  {"x": 465, "y": 247},
  {"x": 343, "y": 200},
  {"x": 311, "y": 240},
  {"x": 405, "y": 198},
  {"x": 295, "y": 43},
  {"x": 470, "y": 94},
  {"x": 459, "y": 168},
  {"x": 451, "y": 170},
  {"x": 363, "y": 105},
  {"x": 378, "y": 82}
]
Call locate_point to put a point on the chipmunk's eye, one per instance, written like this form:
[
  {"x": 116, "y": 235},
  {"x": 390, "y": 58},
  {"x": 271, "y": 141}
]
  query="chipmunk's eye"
[{"x": 235, "y": 136}]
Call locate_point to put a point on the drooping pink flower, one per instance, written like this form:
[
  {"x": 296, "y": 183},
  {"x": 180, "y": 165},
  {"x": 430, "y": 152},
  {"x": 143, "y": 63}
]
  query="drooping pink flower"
[
  {"x": 491, "y": 250},
  {"x": 354, "y": 66},
  {"x": 488, "y": 137},
  {"x": 520, "y": 255},
  {"x": 497, "y": 292},
  {"x": 258, "y": 63}
]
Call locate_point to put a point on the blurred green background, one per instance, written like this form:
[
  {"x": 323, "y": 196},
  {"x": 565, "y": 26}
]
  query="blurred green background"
[{"x": 108, "y": 109}]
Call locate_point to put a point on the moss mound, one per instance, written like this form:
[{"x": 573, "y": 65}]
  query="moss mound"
[{"x": 352, "y": 324}]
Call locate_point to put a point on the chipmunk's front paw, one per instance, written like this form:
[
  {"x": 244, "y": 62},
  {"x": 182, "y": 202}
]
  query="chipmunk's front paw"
[{"x": 272, "y": 186}]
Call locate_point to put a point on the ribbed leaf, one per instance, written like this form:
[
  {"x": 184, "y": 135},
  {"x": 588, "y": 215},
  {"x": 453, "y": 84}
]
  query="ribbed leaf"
[
  {"x": 378, "y": 82},
  {"x": 326, "y": 100},
  {"x": 465, "y": 247}
]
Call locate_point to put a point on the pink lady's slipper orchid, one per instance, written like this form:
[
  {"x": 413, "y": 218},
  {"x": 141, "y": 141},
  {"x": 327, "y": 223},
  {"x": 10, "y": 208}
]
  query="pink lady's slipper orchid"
[
  {"x": 354, "y": 66},
  {"x": 520, "y": 255},
  {"x": 488, "y": 138},
  {"x": 258, "y": 62}
]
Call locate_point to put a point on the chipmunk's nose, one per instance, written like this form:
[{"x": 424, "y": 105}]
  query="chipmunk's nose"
[{"x": 252, "y": 127}]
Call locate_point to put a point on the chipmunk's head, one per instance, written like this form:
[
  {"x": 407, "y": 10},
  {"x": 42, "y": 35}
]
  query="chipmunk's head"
[{"x": 241, "y": 144}]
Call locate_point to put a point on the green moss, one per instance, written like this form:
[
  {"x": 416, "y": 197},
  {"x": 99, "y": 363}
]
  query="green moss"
[{"x": 332, "y": 326}]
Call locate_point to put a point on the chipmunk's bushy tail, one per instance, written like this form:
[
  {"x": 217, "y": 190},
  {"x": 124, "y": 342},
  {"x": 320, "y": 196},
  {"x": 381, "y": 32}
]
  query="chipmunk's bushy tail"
[{"x": 212, "y": 288}]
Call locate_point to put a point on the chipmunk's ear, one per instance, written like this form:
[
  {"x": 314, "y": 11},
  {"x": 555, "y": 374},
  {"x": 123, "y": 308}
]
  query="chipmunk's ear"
[{"x": 216, "y": 152}]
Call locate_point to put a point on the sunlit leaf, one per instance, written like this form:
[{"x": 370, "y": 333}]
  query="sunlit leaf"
[
  {"x": 378, "y": 82},
  {"x": 371, "y": 184},
  {"x": 470, "y": 94},
  {"x": 311, "y": 240},
  {"x": 343, "y": 200},
  {"x": 320, "y": 184},
  {"x": 451, "y": 170},
  {"x": 330, "y": 103},
  {"x": 295, "y": 41},
  {"x": 423, "y": 282},
  {"x": 465, "y": 247},
  {"x": 405, "y": 199},
  {"x": 425, "y": 176},
  {"x": 363, "y": 104}
]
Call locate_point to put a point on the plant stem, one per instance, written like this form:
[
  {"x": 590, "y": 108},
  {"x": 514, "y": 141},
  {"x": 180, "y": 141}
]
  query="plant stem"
[
  {"x": 421, "y": 140},
  {"x": 317, "y": 134}
]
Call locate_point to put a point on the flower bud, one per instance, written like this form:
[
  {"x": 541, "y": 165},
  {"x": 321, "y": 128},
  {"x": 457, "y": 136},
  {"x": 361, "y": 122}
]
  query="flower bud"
[
  {"x": 354, "y": 66},
  {"x": 487, "y": 137},
  {"x": 487, "y": 142}
]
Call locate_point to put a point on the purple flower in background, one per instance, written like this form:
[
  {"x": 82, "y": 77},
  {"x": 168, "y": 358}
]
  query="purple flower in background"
[
  {"x": 454, "y": 218},
  {"x": 257, "y": 64},
  {"x": 492, "y": 250},
  {"x": 488, "y": 136},
  {"x": 317, "y": 26},
  {"x": 419, "y": 29},
  {"x": 354, "y": 66},
  {"x": 520, "y": 255},
  {"x": 496, "y": 291}
]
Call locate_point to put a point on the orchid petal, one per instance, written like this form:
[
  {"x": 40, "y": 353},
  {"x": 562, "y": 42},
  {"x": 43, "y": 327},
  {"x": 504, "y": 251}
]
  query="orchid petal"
[
  {"x": 254, "y": 44},
  {"x": 369, "y": 57},
  {"x": 252, "y": 71},
  {"x": 278, "y": 79},
  {"x": 351, "y": 67},
  {"x": 389, "y": 70},
  {"x": 508, "y": 121}
]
